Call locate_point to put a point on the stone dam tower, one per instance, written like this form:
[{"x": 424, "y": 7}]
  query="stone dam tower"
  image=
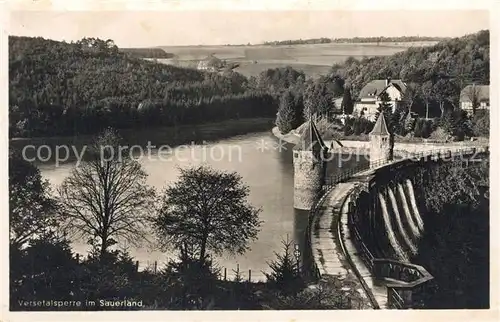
[
  {"x": 380, "y": 142},
  {"x": 309, "y": 163}
]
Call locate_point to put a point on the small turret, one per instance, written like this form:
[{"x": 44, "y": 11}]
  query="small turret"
[
  {"x": 309, "y": 157},
  {"x": 311, "y": 140},
  {"x": 380, "y": 142}
]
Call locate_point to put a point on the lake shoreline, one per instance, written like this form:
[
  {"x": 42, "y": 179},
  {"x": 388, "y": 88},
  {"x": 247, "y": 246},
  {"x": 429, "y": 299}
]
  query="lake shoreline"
[{"x": 173, "y": 136}]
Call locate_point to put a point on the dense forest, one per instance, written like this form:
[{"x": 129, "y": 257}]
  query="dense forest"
[
  {"x": 455, "y": 245},
  {"x": 59, "y": 88},
  {"x": 325, "y": 40},
  {"x": 441, "y": 70}
]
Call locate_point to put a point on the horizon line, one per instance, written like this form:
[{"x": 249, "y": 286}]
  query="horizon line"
[{"x": 263, "y": 43}]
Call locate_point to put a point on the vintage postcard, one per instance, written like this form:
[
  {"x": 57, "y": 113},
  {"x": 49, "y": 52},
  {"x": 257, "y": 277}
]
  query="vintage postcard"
[{"x": 299, "y": 161}]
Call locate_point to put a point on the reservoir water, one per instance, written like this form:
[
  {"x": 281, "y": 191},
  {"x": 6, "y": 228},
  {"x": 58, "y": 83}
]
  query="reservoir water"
[{"x": 265, "y": 167}]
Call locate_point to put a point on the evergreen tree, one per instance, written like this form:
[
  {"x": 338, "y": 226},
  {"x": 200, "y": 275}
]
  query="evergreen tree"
[
  {"x": 384, "y": 106},
  {"x": 409, "y": 123},
  {"x": 481, "y": 123},
  {"x": 397, "y": 120},
  {"x": 417, "y": 132},
  {"x": 289, "y": 113},
  {"x": 347, "y": 103},
  {"x": 426, "y": 128},
  {"x": 318, "y": 98},
  {"x": 285, "y": 275},
  {"x": 457, "y": 124}
]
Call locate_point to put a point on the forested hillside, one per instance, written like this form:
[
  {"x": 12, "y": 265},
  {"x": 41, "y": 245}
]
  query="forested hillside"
[
  {"x": 147, "y": 52},
  {"x": 443, "y": 68},
  {"x": 58, "y": 88},
  {"x": 435, "y": 76}
]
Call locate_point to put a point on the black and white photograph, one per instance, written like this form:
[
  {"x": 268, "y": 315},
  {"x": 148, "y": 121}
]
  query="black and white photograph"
[{"x": 244, "y": 159}]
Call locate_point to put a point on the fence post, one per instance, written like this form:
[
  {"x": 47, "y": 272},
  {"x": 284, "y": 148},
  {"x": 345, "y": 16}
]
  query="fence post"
[
  {"x": 156, "y": 265},
  {"x": 249, "y": 275},
  {"x": 136, "y": 266},
  {"x": 225, "y": 273}
]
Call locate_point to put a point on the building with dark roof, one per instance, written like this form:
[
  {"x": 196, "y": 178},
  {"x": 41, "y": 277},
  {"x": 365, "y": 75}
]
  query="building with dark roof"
[
  {"x": 380, "y": 127},
  {"x": 211, "y": 64},
  {"x": 369, "y": 96},
  {"x": 478, "y": 93},
  {"x": 381, "y": 146}
]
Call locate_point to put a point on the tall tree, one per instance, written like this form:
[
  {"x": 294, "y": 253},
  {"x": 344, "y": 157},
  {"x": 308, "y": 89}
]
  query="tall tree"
[
  {"x": 410, "y": 95},
  {"x": 207, "y": 209},
  {"x": 318, "y": 99},
  {"x": 384, "y": 106},
  {"x": 481, "y": 123},
  {"x": 397, "y": 121},
  {"x": 443, "y": 91},
  {"x": 285, "y": 271},
  {"x": 336, "y": 85},
  {"x": 425, "y": 93},
  {"x": 289, "y": 113},
  {"x": 106, "y": 197},
  {"x": 32, "y": 210},
  {"x": 347, "y": 102}
]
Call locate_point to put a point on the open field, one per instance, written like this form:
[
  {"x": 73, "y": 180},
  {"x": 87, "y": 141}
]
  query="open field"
[{"x": 314, "y": 59}]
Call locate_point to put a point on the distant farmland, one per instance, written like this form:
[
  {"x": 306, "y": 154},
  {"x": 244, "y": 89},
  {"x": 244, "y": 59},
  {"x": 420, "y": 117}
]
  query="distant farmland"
[{"x": 313, "y": 59}]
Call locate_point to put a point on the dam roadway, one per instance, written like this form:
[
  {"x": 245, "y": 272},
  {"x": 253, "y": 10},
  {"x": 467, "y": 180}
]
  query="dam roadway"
[{"x": 333, "y": 248}]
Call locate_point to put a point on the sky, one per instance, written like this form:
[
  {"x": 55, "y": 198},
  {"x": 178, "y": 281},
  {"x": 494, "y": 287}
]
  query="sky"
[{"x": 174, "y": 28}]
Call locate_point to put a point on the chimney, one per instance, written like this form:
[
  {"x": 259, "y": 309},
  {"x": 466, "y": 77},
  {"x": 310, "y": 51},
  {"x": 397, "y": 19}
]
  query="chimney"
[{"x": 387, "y": 81}]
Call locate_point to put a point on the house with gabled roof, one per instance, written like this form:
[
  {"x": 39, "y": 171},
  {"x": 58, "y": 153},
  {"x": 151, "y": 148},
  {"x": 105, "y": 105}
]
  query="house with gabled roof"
[
  {"x": 475, "y": 94},
  {"x": 369, "y": 96}
]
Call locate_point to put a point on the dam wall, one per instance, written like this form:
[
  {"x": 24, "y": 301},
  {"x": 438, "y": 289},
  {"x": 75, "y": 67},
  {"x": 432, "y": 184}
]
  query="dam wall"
[{"x": 385, "y": 221}]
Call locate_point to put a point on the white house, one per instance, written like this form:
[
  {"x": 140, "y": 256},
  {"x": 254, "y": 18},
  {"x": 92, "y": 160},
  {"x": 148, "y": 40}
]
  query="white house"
[
  {"x": 211, "y": 64},
  {"x": 479, "y": 93},
  {"x": 369, "y": 96}
]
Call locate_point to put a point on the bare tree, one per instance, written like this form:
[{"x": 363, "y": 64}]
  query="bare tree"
[
  {"x": 207, "y": 209},
  {"x": 106, "y": 197},
  {"x": 473, "y": 93}
]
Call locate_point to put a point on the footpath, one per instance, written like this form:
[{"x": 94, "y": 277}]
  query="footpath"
[{"x": 331, "y": 243}]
